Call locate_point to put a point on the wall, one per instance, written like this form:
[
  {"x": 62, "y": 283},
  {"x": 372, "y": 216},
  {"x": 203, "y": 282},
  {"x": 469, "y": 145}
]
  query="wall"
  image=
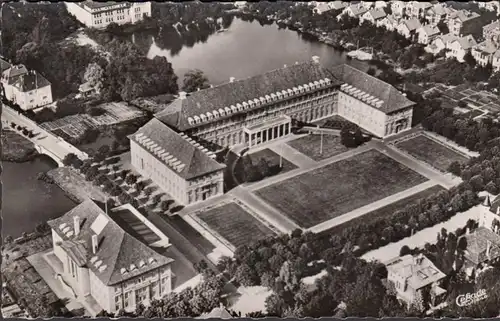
[
  {"x": 32, "y": 99},
  {"x": 156, "y": 170},
  {"x": 216, "y": 178},
  {"x": 362, "y": 114},
  {"x": 307, "y": 107},
  {"x": 58, "y": 251},
  {"x": 100, "y": 292}
]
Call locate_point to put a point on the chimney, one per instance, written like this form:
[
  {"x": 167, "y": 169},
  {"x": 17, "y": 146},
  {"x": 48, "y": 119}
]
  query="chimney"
[
  {"x": 76, "y": 223},
  {"x": 231, "y": 79},
  {"x": 487, "y": 201},
  {"x": 315, "y": 59},
  {"x": 488, "y": 249},
  {"x": 182, "y": 95},
  {"x": 95, "y": 243}
]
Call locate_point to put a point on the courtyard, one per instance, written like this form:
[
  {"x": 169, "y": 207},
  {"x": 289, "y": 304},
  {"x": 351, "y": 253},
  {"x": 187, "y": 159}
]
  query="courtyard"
[
  {"x": 234, "y": 224},
  {"x": 310, "y": 146},
  {"x": 430, "y": 151},
  {"x": 273, "y": 161},
  {"x": 338, "y": 188},
  {"x": 384, "y": 212}
]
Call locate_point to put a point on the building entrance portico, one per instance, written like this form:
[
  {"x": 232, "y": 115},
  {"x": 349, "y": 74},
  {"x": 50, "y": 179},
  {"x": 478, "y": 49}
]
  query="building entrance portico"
[{"x": 267, "y": 131}]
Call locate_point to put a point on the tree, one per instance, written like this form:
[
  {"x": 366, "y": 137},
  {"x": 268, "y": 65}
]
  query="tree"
[
  {"x": 275, "y": 305},
  {"x": 131, "y": 179},
  {"x": 69, "y": 159},
  {"x": 194, "y": 80},
  {"x": 405, "y": 250},
  {"x": 104, "y": 150},
  {"x": 455, "y": 168},
  {"x": 245, "y": 275},
  {"x": 165, "y": 205},
  {"x": 94, "y": 76},
  {"x": 469, "y": 59}
]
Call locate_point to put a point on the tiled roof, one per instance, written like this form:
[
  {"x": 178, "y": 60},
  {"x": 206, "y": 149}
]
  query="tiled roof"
[
  {"x": 419, "y": 271},
  {"x": 492, "y": 26},
  {"x": 117, "y": 249},
  {"x": 477, "y": 243},
  {"x": 486, "y": 46},
  {"x": 377, "y": 13},
  {"x": 207, "y": 100},
  {"x": 412, "y": 24},
  {"x": 393, "y": 99},
  {"x": 464, "y": 15},
  {"x": 196, "y": 162},
  {"x": 13, "y": 73},
  {"x": 467, "y": 42},
  {"x": 100, "y": 4},
  {"x": 4, "y": 65},
  {"x": 430, "y": 30},
  {"x": 31, "y": 81}
]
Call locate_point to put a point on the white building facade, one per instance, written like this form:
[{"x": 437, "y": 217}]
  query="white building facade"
[{"x": 100, "y": 14}]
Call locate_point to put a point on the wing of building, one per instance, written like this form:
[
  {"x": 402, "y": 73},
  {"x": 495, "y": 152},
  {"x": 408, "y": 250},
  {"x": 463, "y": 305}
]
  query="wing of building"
[
  {"x": 101, "y": 260},
  {"x": 256, "y": 110},
  {"x": 100, "y": 14}
]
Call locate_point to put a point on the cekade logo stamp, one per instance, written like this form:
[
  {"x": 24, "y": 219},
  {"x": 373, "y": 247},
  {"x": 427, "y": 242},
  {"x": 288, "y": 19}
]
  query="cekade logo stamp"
[{"x": 467, "y": 299}]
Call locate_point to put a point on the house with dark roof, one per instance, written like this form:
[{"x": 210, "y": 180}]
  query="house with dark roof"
[
  {"x": 27, "y": 88},
  {"x": 482, "y": 249},
  {"x": 99, "y": 14},
  {"x": 411, "y": 275},
  {"x": 178, "y": 164},
  {"x": 103, "y": 261}
]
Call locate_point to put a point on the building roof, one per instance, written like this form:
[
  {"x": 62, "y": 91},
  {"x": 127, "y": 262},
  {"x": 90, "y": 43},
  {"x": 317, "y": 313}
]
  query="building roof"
[
  {"x": 14, "y": 72},
  {"x": 496, "y": 202},
  {"x": 4, "y": 65},
  {"x": 497, "y": 54},
  {"x": 100, "y": 4},
  {"x": 486, "y": 46},
  {"x": 494, "y": 26},
  {"x": 196, "y": 162},
  {"x": 323, "y": 7},
  {"x": 119, "y": 256},
  {"x": 464, "y": 15},
  {"x": 377, "y": 13},
  {"x": 393, "y": 100},
  {"x": 438, "y": 9},
  {"x": 466, "y": 42},
  {"x": 358, "y": 9},
  {"x": 447, "y": 38},
  {"x": 477, "y": 245},
  {"x": 418, "y": 271},
  {"x": 430, "y": 30},
  {"x": 200, "y": 102},
  {"x": 30, "y": 81},
  {"x": 337, "y": 5},
  {"x": 412, "y": 24}
]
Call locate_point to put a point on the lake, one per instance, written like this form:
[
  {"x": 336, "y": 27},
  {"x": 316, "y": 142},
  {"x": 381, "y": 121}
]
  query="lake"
[
  {"x": 28, "y": 201},
  {"x": 245, "y": 49}
]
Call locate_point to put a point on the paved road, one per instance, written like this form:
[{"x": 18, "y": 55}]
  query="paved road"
[
  {"x": 272, "y": 215},
  {"x": 42, "y": 138},
  {"x": 293, "y": 155}
]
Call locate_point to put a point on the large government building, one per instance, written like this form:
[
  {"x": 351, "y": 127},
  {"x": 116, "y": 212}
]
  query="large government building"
[{"x": 253, "y": 111}]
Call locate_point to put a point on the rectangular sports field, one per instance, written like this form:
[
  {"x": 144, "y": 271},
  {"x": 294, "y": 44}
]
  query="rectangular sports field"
[
  {"x": 234, "y": 224},
  {"x": 338, "y": 188},
  {"x": 431, "y": 152},
  {"x": 385, "y": 211},
  {"x": 310, "y": 145}
]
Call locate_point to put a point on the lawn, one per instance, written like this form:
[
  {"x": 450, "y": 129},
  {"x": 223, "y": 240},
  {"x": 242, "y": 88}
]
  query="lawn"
[
  {"x": 234, "y": 224},
  {"x": 310, "y": 145},
  {"x": 385, "y": 211},
  {"x": 16, "y": 147},
  {"x": 431, "y": 152},
  {"x": 75, "y": 185},
  {"x": 338, "y": 188},
  {"x": 271, "y": 157}
]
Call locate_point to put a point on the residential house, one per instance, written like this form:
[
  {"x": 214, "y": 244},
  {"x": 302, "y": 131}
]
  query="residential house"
[
  {"x": 101, "y": 262},
  {"x": 416, "y": 9},
  {"x": 438, "y": 13},
  {"x": 411, "y": 275},
  {"x": 353, "y": 11},
  {"x": 459, "y": 47},
  {"x": 492, "y": 32},
  {"x": 483, "y": 52},
  {"x": 373, "y": 16},
  {"x": 495, "y": 62},
  {"x": 321, "y": 7},
  {"x": 398, "y": 8},
  {"x": 389, "y": 22},
  {"x": 482, "y": 249},
  {"x": 489, "y": 5},
  {"x": 26, "y": 88},
  {"x": 338, "y": 5},
  {"x": 408, "y": 28},
  {"x": 463, "y": 22},
  {"x": 427, "y": 33},
  {"x": 440, "y": 43}
]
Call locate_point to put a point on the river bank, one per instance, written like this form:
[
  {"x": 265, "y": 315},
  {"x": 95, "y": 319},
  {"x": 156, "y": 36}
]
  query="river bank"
[{"x": 16, "y": 148}]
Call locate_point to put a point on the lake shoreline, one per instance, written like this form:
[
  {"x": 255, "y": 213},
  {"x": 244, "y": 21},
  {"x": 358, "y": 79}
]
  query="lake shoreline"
[{"x": 16, "y": 148}]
